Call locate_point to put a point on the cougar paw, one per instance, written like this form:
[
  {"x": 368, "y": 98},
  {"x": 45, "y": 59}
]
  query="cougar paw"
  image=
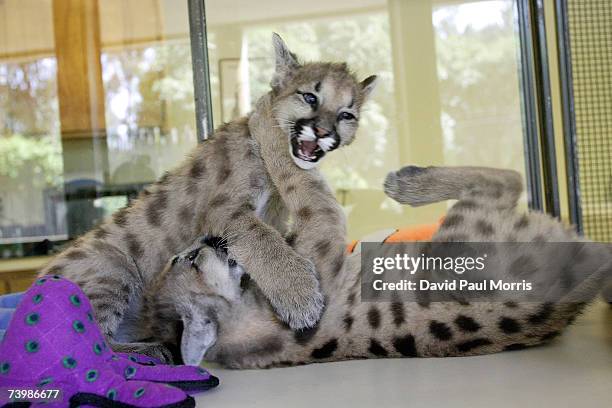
[
  {"x": 409, "y": 171},
  {"x": 302, "y": 313},
  {"x": 406, "y": 186},
  {"x": 299, "y": 302}
]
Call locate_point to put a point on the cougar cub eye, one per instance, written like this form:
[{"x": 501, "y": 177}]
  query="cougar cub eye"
[
  {"x": 193, "y": 255},
  {"x": 310, "y": 99},
  {"x": 346, "y": 116}
]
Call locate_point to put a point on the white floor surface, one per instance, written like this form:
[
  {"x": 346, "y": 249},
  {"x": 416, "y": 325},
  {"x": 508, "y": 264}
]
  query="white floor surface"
[{"x": 574, "y": 371}]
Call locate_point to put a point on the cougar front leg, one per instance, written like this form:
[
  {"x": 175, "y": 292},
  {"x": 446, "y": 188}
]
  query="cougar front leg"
[
  {"x": 288, "y": 280},
  {"x": 319, "y": 227}
]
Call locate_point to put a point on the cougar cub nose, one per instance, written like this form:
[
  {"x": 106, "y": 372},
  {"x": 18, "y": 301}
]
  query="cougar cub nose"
[{"x": 322, "y": 132}]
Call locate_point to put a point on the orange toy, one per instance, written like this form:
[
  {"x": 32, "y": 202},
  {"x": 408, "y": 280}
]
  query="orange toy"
[{"x": 408, "y": 234}]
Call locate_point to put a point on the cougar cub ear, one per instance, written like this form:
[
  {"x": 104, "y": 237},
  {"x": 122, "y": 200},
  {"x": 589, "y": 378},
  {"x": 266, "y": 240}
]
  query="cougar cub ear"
[
  {"x": 286, "y": 62},
  {"x": 367, "y": 86},
  {"x": 199, "y": 334}
]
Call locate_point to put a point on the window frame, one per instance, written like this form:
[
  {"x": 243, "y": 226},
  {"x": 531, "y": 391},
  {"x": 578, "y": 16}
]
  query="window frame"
[{"x": 201, "y": 71}]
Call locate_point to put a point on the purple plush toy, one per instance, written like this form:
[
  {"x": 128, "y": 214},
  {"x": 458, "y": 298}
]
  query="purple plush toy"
[{"x": 54, "y": 343}]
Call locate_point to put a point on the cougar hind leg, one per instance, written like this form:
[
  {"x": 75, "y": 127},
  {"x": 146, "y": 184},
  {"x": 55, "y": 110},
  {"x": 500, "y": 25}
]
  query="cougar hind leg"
[
  {"x": 155, "y": 350},
  {"x": 418, "y": 186}
]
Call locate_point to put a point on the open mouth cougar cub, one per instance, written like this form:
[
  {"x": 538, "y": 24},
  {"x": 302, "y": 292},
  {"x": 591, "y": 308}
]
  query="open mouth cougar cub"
[
  {"x": 231, "y": 186},
  {"x": 319, "y": 112}
]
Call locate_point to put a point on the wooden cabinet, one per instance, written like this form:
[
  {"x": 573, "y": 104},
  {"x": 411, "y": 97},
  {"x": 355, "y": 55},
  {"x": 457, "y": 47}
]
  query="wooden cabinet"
[{"x": 17, "y": 275}]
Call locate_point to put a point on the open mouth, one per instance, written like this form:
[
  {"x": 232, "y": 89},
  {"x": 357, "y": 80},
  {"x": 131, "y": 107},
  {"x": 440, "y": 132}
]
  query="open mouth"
[{"x": 307, "y": 149}]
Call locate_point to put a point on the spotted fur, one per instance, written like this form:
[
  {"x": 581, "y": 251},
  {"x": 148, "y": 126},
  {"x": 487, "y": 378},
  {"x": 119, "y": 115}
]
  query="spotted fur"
[
  {"x": 351, "y": 329},
  {"x": 230, "y": 187}
]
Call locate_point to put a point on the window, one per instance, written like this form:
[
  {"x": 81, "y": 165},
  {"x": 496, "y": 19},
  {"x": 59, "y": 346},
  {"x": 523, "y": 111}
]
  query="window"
[
  {"x": 449, "y": 91},
  {"x": 94, "y": 108},
  {"x": 91, "y": 109}
]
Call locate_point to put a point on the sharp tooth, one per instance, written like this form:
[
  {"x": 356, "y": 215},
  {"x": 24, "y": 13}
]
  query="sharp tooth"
[
  {"x": 302, "y": 155},
  {"x": 326, "y": 143},
  {"x": 307, "y": 134}
]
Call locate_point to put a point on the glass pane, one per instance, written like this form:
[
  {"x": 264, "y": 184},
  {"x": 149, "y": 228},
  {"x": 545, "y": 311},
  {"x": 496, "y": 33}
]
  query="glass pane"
[
  {"x": 478, "y": 73},
  {"x": 96, "y": 99},
  {"x": 32, "y": 206},
  {"x": 449, "y": 91},
  {"x": 148, "y": 87}
]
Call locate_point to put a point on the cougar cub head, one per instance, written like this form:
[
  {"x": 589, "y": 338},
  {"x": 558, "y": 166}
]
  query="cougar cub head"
[
  {"x": 205, "y": 282},
  {"x": 207, "y": 269},
  {"x": 317, "y": 104}
]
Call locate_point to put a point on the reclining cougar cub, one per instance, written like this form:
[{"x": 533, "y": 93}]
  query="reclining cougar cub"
[
  {"x": 233, "y": 324},
  {"x": 230, "y": 188}
]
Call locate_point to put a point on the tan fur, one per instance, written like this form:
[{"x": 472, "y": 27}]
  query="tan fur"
[
  {"x": 229, "y": 187},
  {"x": 250, "y": 336},
  {"x": 318, "y": 231}
]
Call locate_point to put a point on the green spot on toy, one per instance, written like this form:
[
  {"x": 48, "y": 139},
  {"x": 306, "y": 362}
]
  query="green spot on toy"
[
  {"x": 32, "y": 346},
  {"x": 37, "y": 299},
  {"x": 130, "y": 372},
  {"x": 139, "y": 393},
  {"x": 97, "y": 348},
  {"x": 32, "y": 319},
  {"x": 5, "y": 367},
  {"x": 90, "y": 317},
  {"x": 111, "y": 394},
  {"x": 45, "y": 381},
  {"x": 91, "y": 375},
  {"x": 74, "y": 299},
  {"x": 78, "y": 326},
  {"x": 56, "y": 277},
  {"x": 41, "y": 281},
  {"x": 69, "y": 362}
]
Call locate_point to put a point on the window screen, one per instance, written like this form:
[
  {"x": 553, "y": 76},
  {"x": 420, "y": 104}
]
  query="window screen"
[{"x": 590, "y": 33}]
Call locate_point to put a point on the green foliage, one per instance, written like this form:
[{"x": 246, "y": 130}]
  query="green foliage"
[
  {"x": 28, "y": 97},
  {"x": 479, "y": 90},
  {"x": 42, "y": 156},
  {"x": 153, "y": 83}
]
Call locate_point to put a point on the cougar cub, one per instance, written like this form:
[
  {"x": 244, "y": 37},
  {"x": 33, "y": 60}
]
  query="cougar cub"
[
  {"x": 231, "y": 187},
  {"x": 235, "y": 326}
]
